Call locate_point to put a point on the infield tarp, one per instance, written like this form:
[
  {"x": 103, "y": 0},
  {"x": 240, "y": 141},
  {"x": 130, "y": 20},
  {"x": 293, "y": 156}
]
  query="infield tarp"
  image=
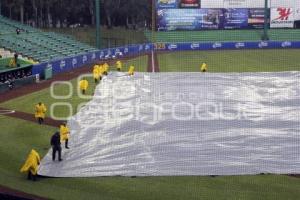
[{"x": 172, "y": 124}]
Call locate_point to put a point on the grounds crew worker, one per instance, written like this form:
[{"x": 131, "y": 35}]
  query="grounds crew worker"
[
  {"x": 83, "y": 85},
  {"x": 40, "y": 110},
  {"x": 119, "y": 65},
  {"x": 100, "y": 71},
  {"x": 96, "y": 73},
  {"x": 64, "y": 134},
  {"x": 31, "y": 165},
  {"x": 12, "y": 63},
  {"x": 204, "y": 67},
  {"x": 131, "y": 70},
  {"x": 105, "y": 69},
  {"x": 55, "y": 143}
]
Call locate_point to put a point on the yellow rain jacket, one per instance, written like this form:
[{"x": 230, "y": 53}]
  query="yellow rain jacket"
[
  {"x": 96, "y": 66},
  {"x": 204, "y": 67},
  {"x": 119, "y": 65},
  {"x": 32, "y": 61},
  {"x": 12, "y": 63},
  {"x": 100, "y": 70},
  {"x": 106, "y": 67},
  {"x": 64, "y": 133},
  {"x": 40, "y": 111},
  {"x": 96, "y": 73},
  {"x": 131, "y": 70},
  {"x": 32, "y": 163},
  {"x": 83, "y": 84}
]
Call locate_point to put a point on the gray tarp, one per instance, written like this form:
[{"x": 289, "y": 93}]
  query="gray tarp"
[{"x": 161, "y": 124}]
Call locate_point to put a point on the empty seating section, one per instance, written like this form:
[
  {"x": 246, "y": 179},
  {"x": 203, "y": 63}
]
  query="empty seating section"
[
  {"x": 41, "y": 46},
  {"x": 9, "y": 26}
]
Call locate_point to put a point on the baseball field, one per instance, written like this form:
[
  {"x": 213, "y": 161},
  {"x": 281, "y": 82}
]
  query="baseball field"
[{"x": 20, "y": 133}]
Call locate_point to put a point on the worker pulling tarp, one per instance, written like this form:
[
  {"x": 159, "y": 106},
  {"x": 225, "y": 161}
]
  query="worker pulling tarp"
[{"x": 31, "y": 165}]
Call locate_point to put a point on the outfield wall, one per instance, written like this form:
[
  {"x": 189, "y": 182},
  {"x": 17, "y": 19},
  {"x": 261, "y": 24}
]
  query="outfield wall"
[{"x": 70, "y": 63}]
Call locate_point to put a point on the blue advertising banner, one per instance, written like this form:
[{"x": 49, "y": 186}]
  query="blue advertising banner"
[
  {"x": 69, "y": 63},
  {"x": 189, "y": 19},
  {"x": 172, "y": 15},
  {"x": 235, "y": 18},
  {"x": 161, "y": 4},
  {"x": 228, "y": 45}
]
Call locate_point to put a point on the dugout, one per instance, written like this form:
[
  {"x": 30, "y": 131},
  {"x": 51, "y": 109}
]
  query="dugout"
[{"x": 16, "y": 77}]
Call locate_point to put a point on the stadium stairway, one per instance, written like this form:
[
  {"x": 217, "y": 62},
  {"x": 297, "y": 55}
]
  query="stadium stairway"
[{"x": 38, "y": 45}]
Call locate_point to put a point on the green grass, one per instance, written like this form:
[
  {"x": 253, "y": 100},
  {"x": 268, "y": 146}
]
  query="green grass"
[
  {"x": 222, "y": 35},
  {"x": 18, "y": 137},
  {"x": 110, "y": 37},
  {"x": 140, "y": 64},
  {"x": 231, "y": 61}
]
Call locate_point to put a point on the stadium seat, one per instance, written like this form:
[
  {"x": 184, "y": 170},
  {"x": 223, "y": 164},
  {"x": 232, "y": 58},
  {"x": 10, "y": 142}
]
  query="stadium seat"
[{"x": 41, "y": 46}]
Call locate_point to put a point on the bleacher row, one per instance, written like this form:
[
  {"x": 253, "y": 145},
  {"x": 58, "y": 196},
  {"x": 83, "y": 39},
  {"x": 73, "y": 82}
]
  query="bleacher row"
[{"x": 38, "y": 45}]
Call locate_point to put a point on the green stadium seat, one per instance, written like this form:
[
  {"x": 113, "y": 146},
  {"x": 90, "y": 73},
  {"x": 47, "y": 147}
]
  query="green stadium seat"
[{"x": 42, "y": 46}]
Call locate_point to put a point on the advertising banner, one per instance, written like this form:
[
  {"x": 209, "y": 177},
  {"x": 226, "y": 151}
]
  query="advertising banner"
[
  {"x": 162, "y": 4},
  {"x": 189, "y": 3},
  {"x": 212, "y": 4},
  {"x": 256, "y": 18},
  {"x": 235, "y": 18},
  {"x": 282, "y": 3},
  {"x": 229, "y": 45},
  {"x": 282, "y": 18},
  {"x": 189, "y": 19},
  {"x": 297, "y": 17},
  {"x": 235, "y": 3}
]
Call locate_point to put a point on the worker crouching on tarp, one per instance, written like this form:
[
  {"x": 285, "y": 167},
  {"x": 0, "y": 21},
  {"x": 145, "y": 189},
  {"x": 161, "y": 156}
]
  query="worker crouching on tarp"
[
  {"x": 56, "y": 146},
  {"x": 40, "y": 110},
  {"x": 96, "y": 74},
  {"x": 131, "y": 70},
  {"x": 203, "y": 67},
  {"x": 119, "y": 65},
  {"x": 64, "y": 134},
  {"x": 105, "y": 69},
  {"x": 31, "y": 165},
  {"x": 83, "y": 85}
]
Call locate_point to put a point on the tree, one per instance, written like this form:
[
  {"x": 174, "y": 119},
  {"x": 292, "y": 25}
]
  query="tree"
[
  {"x": 19, "y": 5},
  {"x": 47, "y": 12},
  {"x": 92, "y": 11}
]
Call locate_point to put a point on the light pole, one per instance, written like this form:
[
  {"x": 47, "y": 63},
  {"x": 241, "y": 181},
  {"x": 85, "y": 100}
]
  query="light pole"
[{"x": 265, "y": 35}]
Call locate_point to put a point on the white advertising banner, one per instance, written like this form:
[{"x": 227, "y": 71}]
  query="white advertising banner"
[
  {"x": 297, "y": 14},
  {"x": 282, "y": 17},
  {"x": 233, "y": 3},
  {"x": 297, "y": 10},
  {"x": 212, "y": 4},
  {"x": 282, "y": 3}
]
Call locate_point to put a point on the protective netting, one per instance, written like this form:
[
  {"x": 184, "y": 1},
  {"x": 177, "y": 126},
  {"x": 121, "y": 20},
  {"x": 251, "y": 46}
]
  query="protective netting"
[{"x": 185, "y": 124}]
